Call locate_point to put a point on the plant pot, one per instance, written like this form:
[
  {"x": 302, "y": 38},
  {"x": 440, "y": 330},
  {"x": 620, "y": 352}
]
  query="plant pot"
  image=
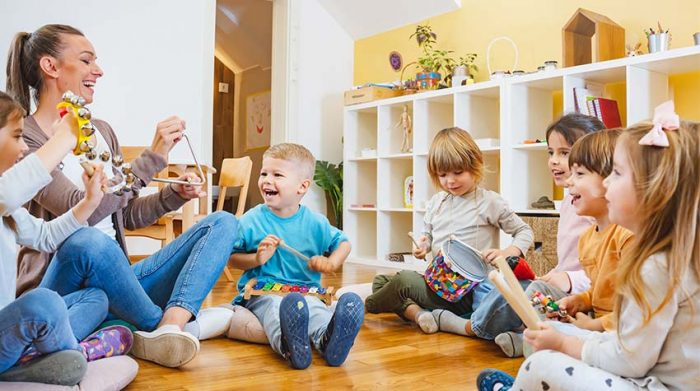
[{"x": 428, "y": 80}]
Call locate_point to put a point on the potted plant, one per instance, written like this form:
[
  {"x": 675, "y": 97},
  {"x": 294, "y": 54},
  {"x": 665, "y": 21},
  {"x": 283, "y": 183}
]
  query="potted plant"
[
  {"x": 432, "y": 61},
  {"x": 329, "y": 177},
  {"x": 464, "y": 68}
]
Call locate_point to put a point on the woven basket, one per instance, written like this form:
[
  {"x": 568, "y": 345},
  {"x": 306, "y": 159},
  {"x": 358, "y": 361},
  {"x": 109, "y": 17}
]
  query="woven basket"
[{"x": 542, "y": 256}]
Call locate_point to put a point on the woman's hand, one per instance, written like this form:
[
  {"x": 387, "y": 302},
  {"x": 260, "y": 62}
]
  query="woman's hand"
[
  {"x": 191, "y": 191},
  {"x": 558, "y": 279},
  {"x": 168, "y": 133},
  {"x": 423, "y": 247},
  {"x": 266, "y": 249}
]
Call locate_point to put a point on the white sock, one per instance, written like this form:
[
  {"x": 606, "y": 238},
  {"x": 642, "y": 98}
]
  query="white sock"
[
  {"x": 426, "y": 322},
  {"x": 210, "y": 323},
  {"x": 511, "y": 343},
  {"x": 449, "y": 322},
  {"x": 245, "y": 326}
]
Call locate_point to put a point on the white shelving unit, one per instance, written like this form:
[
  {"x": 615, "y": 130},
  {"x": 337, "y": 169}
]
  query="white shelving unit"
[{"x": 511, "y": 110}]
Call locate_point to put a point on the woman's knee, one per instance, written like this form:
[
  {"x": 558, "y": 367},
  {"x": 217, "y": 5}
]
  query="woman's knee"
[
  {"x": 91, "y": 243},
  {"x": 97, "y": 297}
]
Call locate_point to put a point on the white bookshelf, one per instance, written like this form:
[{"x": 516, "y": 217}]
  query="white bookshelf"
[{"x": 511, "y": 110}]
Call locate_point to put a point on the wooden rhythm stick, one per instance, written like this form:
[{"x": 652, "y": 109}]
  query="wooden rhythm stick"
[
  {"x": 410, "y": 235},
  {"x": 253, "y": 288},
  {"x": 511, "y": 290},
  {"x": 294, "y": 251}
]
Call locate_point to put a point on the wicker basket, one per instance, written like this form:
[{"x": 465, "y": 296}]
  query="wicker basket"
[{"x": 542, "y": 256}]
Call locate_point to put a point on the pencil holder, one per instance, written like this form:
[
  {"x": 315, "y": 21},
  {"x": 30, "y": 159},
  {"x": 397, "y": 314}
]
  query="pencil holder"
[{"x": 657, "y": 42}]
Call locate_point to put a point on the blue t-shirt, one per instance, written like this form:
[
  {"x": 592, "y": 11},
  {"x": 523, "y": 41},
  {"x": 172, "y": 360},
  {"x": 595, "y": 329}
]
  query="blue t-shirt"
[{"x": 308, "y": 232}]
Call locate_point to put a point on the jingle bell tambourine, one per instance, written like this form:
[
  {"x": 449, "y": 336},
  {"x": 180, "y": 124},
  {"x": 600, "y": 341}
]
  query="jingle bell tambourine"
[
  {"x": 455, "y": 271},
  {"x": 123, "y": 176}
]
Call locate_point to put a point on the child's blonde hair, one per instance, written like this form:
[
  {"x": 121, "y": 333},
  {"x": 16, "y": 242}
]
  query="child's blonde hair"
[
  {"x": 453, "y": 149},
  {"x": 294, "y": 152},
  {"x": 667, "y": 187},
  {"x": 595, "y": 151}
]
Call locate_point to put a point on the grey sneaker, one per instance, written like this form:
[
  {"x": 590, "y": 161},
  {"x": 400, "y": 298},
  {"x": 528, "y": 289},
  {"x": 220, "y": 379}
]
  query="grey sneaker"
[{"x": 65, "y": 368}]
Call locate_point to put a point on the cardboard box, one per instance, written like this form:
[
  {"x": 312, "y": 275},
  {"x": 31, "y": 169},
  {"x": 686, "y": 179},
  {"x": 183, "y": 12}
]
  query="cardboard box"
[{"x": 368, "y": 94}]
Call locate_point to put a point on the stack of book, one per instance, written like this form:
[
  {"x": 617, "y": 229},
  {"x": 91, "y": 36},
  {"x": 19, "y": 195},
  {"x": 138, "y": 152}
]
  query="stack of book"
[{"x": 587, "y": 102}]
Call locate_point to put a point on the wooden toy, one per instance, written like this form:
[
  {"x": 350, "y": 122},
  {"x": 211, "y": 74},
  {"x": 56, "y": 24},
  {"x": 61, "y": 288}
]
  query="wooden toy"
[
  {"x": 591, "y": 37},
  {"x": 510, "y": 288},
  {"x": 546, "y": 305},
  {"x": 259, "y": 288}
]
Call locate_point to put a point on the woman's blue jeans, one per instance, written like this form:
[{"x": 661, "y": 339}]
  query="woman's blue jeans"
[{"x": 179, "y": 275}]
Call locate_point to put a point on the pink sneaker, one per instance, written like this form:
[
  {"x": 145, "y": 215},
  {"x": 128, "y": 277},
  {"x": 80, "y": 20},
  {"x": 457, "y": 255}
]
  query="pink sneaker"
[{"x": 107, "y": 342}]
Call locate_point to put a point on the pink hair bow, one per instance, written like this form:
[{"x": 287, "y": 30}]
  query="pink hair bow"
[{"x": 665, "y": 118}]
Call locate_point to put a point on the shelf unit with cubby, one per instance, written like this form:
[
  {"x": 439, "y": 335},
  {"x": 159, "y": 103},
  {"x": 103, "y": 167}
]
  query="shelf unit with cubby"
[{"x": 511, "y": 111}]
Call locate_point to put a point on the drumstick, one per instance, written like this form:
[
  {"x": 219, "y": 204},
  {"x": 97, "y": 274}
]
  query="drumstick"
[
  {"x": 524, "y": 310},
  {"x": 410, "y": 235},
  {"x": 516, "y": 294},
  {"x": 293, "y": 251}
]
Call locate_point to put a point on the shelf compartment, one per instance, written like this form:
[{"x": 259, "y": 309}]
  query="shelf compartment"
[
  {"x": 526, "y": 189},
  {"x": 363, "y": 174},
  {"x": 430, "y": 116},
  {"x": 390, "y": 129},
  {"x": 479, "y": 115},
  {"x": 393, "y": 173},
  {"x": 394, "y": 228},
  {"x": 361, "y": 131},
  {"x": 361, "y": 229}
]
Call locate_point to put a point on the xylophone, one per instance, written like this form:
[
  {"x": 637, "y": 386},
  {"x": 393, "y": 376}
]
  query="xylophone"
[
  {"x": 546, "y": 305},
  {"x": 258, "y": 288}
]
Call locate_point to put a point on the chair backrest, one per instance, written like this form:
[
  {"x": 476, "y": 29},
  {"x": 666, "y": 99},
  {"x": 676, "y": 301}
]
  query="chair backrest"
[{"x": 235, "y": 173}]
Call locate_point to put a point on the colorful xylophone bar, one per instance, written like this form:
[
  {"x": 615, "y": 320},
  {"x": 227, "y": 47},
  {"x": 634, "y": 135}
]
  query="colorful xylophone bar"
[{"x": 259, "y": 288}]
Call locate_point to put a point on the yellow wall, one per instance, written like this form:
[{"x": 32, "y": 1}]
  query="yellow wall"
[{"x": 535, "y": 26}]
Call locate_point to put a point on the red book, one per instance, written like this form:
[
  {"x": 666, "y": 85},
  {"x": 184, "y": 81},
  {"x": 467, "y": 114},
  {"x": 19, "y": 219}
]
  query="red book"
[{"x": 608, "y": 112}]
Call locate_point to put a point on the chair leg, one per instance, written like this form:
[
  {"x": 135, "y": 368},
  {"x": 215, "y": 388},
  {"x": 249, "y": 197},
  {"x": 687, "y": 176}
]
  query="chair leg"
[{"x": 229, "y": 276}]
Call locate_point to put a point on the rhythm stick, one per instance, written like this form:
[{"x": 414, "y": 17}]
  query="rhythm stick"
[
  {"x": 511, "y": 290},
  {"x": 410, "y": 235},
  {"x": 293, "y": 251}
]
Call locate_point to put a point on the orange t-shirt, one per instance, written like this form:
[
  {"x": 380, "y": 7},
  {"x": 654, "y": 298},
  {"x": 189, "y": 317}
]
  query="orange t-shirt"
[{"x": 599, "y": 253}]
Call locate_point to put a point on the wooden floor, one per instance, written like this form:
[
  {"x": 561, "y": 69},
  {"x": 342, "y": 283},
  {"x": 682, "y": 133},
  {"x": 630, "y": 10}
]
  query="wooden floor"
[{"x": 388, "y": 354}]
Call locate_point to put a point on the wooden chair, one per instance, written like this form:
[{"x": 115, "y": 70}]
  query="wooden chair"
[
  {"x": 162, "y": 229},
  {"x": 234, "y": 172}
]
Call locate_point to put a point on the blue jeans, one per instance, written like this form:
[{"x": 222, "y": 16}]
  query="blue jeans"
[
  {"x": 492, "y": 313},
  {"x": 267, "y": 309},
  {"x": 42, "y": 318},
  {"x": 179, "y": 275}
]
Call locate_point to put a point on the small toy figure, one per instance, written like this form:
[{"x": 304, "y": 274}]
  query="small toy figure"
[
  {"x": 547, "y": 305},
  {"x": 406, "y": 124}
]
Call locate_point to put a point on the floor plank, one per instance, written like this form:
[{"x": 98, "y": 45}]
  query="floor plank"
[{"x": 388, "y": 353}]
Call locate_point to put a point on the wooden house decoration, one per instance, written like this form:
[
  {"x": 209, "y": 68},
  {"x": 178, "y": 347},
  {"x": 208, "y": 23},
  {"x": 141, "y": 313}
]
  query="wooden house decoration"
[{"x": 590, "y": 37}]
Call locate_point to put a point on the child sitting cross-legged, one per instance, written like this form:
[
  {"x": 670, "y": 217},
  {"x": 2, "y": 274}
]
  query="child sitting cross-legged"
[
  {"x": 294, "y": 322},
  {"x": 654, "y": 191},
  {"x": 600, "y": 246},
  {"x": 473, "y": 215}
]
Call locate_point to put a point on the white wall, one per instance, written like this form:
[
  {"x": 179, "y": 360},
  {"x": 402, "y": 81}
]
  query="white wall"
[
  {"x": 319, "y": 68},
  {"x": 157, "y": 55},
  {"x": 158, "y": 60}
]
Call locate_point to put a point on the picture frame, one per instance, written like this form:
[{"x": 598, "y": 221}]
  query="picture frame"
[{"x": 258, "y": 119}]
